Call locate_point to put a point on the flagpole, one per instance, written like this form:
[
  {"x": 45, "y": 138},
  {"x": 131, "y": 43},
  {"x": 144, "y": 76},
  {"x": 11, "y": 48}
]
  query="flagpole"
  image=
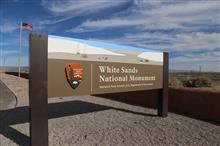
[
  {"x": 1, "y": 62},
  {"x": 19, "y": 57},
  {"x": 1, "y": 57}
]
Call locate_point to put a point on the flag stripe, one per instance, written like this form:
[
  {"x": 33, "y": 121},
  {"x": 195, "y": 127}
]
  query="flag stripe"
[{"x": 26, "y": 26}]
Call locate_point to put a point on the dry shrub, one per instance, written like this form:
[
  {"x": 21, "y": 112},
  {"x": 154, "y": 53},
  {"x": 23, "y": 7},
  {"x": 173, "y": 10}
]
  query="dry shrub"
[
  {"x": 197, "y": 82},
  {"x": 176, "y": 82}
]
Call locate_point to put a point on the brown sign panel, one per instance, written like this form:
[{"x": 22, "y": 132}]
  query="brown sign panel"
[
  {"x": 77, "y": 67},
  {"x": 100, "y": 77}
]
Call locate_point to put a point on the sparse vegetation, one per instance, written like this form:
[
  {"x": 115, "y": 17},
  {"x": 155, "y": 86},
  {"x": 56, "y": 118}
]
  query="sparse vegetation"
[
  {"x": 26, "y": 71},
  {"x": 197, "y": 82},
  {"x": 176, "y": 82},
  {"x": 204, "y": 80}
]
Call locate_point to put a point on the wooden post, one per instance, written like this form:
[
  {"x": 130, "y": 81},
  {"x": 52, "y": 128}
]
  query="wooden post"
[
  {"x": 163, "y": 93},
  {"x": 38, "y": 90}
]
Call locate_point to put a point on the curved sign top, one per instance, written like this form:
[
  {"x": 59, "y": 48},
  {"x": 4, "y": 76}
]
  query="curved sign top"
[{"x": 80, "y": 67}]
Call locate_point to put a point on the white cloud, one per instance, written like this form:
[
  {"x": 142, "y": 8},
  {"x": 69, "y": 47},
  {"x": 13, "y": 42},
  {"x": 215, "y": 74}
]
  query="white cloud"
[
  {"x": 8, "y": 27},
  {"x": 79, "y": 6},
  {"x": 6, "y": 52},
  {"x": 53, "y": 21},
  {"x": 209, "y": 61},
  {"x": 104, "y": 24},
  {"x": 160, "y": 16},
  {"x": 197, "y": 41},
  {"x": 14, "y": 61},
  {"x": 4, "y": 43},
  {"x": 67, "y": 9},
  {"x": 170, "y": 42},
  {"x": 13, "y": 40},
  {"x": 195, "y": 66}
]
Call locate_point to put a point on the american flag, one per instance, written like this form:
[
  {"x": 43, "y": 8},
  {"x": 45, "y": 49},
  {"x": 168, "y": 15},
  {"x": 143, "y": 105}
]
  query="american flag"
[{"x": 26, "y": 26}]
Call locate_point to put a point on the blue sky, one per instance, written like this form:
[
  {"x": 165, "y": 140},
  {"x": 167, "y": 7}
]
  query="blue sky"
[{"x": 188, "y": 30}]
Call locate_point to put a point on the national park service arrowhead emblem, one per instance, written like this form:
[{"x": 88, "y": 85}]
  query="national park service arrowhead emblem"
[{"x": 74, "y": 75}]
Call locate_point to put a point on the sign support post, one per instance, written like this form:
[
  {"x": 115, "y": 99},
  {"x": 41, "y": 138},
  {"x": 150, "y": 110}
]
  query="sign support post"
[
  {"x": 162, "y": 107},
  {"x": 38, "y": 90}
]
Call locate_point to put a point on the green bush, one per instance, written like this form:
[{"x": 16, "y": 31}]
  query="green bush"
[
  {"x": 197, "y": 82},
  {"x": 175, "y": 82}
]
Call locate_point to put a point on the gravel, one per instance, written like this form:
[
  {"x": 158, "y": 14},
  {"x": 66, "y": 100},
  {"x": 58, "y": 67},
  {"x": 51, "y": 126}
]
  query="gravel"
[{"x": 90, "y": 120}]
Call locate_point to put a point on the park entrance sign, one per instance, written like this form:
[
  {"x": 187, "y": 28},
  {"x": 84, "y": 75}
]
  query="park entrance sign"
[
  {"x": 79, "y": 67},
  {"x": 61, "y": 67}
]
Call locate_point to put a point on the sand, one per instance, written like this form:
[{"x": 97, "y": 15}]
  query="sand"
[
  {"x": 90, "y": 120},
  {"x": 104, "y": 58}
]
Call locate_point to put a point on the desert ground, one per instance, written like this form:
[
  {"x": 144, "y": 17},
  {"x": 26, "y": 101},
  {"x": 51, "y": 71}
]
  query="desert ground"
[{"x": 90, "y": 120}]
